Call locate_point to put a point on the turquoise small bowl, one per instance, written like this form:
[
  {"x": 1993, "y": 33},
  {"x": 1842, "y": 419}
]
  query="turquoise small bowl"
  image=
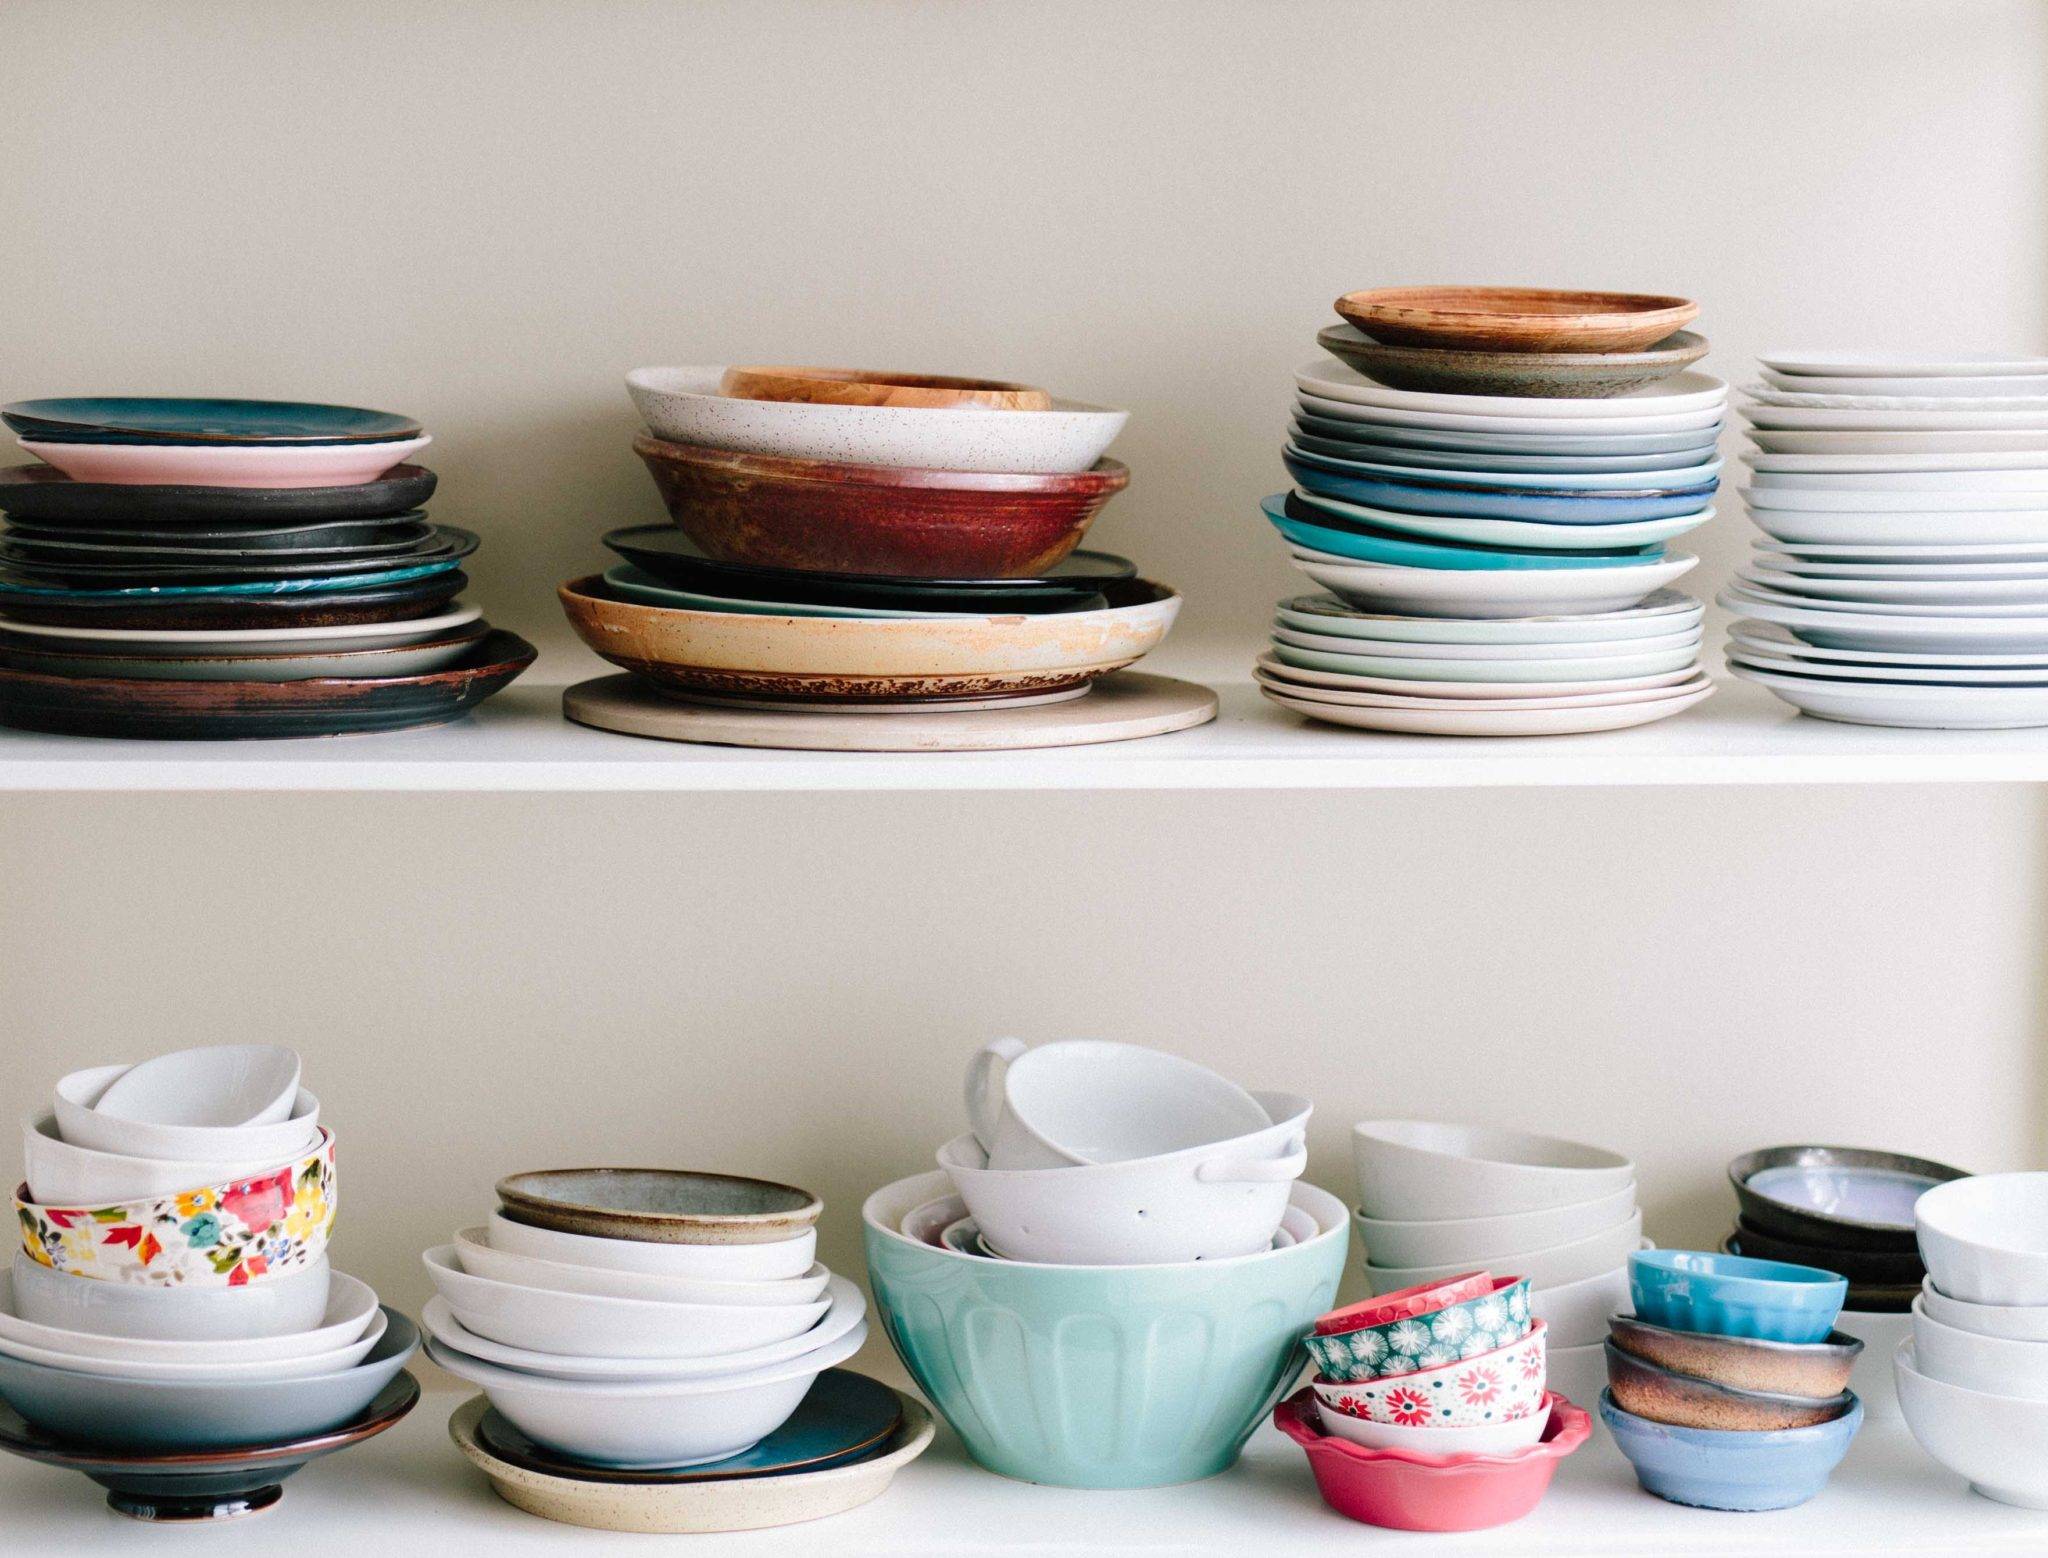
[
  {"x": 1733, "y": 1295},
  {"x": 1100, "y": 1376}
]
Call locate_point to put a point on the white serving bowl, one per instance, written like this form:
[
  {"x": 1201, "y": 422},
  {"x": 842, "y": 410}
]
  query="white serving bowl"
[
  {"x": 473, "y": 1249},
  {"x": 684, "y": 405},
  {"x": 276, "y": 1306},
  {"x": 1578, "y": 1312},
  {"x": 60, "y": 1174},
  {"x": 650, "y": 1423},
  {"x": 80, "y": 1124},
  {"x": 1425, "y": 1169},
  {"x": 2015, "y": 1322},
  {"x": 1480, "y": 1439},
  {"x": 220, "y": 1085},
  {"x": 1997, "y": 1442},
  {"x": 1985, "y": 1238},
  {"x": 305, "y": 1366},
  {"x": 1578, "y": 1374},
  {"x": 1554, "y": 1267},
  {"x": 588, "y": 1326},
  {"x": 1995, "y": 1364},
  {"x": 771, "y": 1262},
  {"x": 351, "y": 1310},
  {"x": 846, "y": 1308},
  {"x": 1480, "y": 1240}
]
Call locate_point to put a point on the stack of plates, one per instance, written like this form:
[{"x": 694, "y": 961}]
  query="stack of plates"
[
  {"x": 227, "y": 568},
  {"x": 1902, "y": 578},
  {"x": 1495, "y": 537}
]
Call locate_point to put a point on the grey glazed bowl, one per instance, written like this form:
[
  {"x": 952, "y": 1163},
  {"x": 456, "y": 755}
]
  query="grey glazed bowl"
[{"x": 130, "y": 1414}]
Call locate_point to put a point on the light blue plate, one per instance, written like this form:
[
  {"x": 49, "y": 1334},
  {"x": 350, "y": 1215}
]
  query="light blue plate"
[
  {"x": 1509, "y": 443},
  {"x": 1353, "y": 462},
  {"x": 1537, "y": 535},
  {"x": 1415, "y": 668},
  {"x": 635, "y": 584},
  {"x": 1467, "y": 500},
  {"x": 1422, "y": 554},
  {"x": 1463, "y": 460},
  {"x": 329, "y": 585}
]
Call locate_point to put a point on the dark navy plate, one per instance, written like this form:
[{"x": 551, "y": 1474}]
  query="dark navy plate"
[
  {"x": 45, "y": 495},
  {"x": 178, "y": 420}
]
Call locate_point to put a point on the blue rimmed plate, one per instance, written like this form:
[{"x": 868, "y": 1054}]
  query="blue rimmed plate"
[
  {"x": 1359, "y": 547},
  {"x": 1317, "y": 416},
  {"x": 166, "y": 419},
  {"x": 1376, "y": 452},
  {"x": 1462, "y": 496},
  {"x": 1697, "y": 473},
  {"x": 1537, "y": 535}
]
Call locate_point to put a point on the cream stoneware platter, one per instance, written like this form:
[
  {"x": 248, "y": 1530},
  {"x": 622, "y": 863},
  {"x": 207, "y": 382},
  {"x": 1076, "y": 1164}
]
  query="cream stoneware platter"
[
  {"x": 1552, "y": 1267},
  {"x": 1300, "y": 693},
  {"x": 224, "y": 1085},
  {"x": 478, "y": 1257},
  {"x": 60, "y": 1174},
  {"x": 248, "y": 641},
  {"x": 351, "y": 1310},
  {"x": 276, "y": 1306},
  {"x": 1430, "y": 1169},
  {"x": 773, "y": 1261},
  {"x": 82, "y": 1125},
  {"x": 1452, "y": 720},
  {"x": 1490, "y": 592},
  {"x": 1481, "y": 1239},
  {"x": 1662, "y": 613}
]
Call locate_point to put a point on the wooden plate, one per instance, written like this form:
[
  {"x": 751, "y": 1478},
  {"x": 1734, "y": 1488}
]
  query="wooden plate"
[{"x": 1516, "y": 319}]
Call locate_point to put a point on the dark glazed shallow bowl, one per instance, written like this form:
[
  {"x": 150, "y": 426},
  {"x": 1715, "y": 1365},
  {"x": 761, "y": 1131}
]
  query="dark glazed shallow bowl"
[
  {"x": 166, "y": 1486},
  {"x": 1878, "y": 1298},
  {"x": 401, "y": 602},
  {"x": 1879, "y": 1268},
  {"x": 659, "y": 1206},
  {"x": 45, "y": 495},
  {"x": 335, "y": 536},
  {"x": 179, "y": 419},
  {"x": 1823, "y": 1217},
  {"x": 1546, "y": 375},
  {"x": 1817, "y": 1370},
  {"x": 228, "y": 711},
  {"x": 1663, "y": 1396},
  {"x": 818, "y": 516}
]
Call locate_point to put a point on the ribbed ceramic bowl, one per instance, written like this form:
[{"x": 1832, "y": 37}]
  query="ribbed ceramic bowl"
[
  {"x": 1099, "y": 1377},
  {"x": 1731, "y": 1468}
]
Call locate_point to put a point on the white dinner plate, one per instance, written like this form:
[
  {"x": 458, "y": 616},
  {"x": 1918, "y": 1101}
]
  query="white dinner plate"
[
  {"x": 1880, "y": 464},
  {"x": 1900, "y": 365},
  {"x": 1336, "y": 414},
  {"x": 1690, "y": 391},
  {"x": 1986, "y": 527},
  {"x": 1465, "y": 422},
  {"x": 1558, "y": 668},
  {"x": 1931, "y": 385},
  {"x": 1835, "y": 499},
  {"x": 1835, "y": 670},
  {"x": 1831, "y": 419},
  {"x": 1924, "y": 592},
  {"x": 1823, "y": 568},
  {"x": 1854, "y": 441},
  {"x": 1663, "y": 613},
  {"x": 1541, "y": 535},
  {"x": 1345, "y": 682},
  {"x": 1490, "y": 592},
  {"x": 1941, "y": 554},
  {"x": 1948, "y": 634},
  {"x": 1391, "y": 700},
  {"x": 1766, "y": 395},
  {"x": 1906, "y": 705},
  {"x": 1770, "y": 639},
  {"x": 1448, "y": 719},
  {"x": 1338, "y": 644},
  {"x": 1775, "y": 597},
  {"x": 2033, "y": 480}
]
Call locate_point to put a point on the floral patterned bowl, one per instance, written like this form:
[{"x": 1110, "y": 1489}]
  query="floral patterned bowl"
[
  {"x": 225, "y": 1235},
  {"x": 1457, "y": 1327},
  {"x": 1493, "y": 1387}
]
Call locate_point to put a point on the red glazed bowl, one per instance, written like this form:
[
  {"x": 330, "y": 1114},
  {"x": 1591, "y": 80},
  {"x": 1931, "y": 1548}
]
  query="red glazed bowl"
[
  {"x": 1425, "y": 1492},
  {"x": 824, "y": 517}
]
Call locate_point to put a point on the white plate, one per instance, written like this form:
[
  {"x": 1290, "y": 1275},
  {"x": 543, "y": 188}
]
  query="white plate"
[
  {"x": 1871, "y": 630},
  {"x": 1831, "y": 419},
  {"x": 1764, "y": 560},
  {"x": 1491, "y": 592},
  {"x": 1836, "y": 499},
  {"x": 1768, "y": 638},
  {"x": 1987, "y": 528},
  {"x": 1454, "y": 422},
  {"x": 1941, "y": 386},
  {"x": 1863, "y": 441},
  {"x": 2034, "y": 479},
  {"x": 1765, "y": 395},
  {"x": 1903, "y": 365},
  {"x": 1680, "y": 392},
  {"x": 1907, "y": 705},
  {"x": 1389, "y": 700},
  {"x": 1834, "y": 670},
  {"x": 1332, "y": 643},
  {"x": 251, "y": 641},
  {"x": 1835, "y": 554},
  {"x": 1556, "y": 668},
  {"x": 1547, "y": 442},
  {"x": 1880, "y": 464},
  {"x": 1665, "y": 612},
  {"x": 1450, "y": 720},
  {"x": 1926, "y": 592},
  {"x": 1341, "y": 682},
  {"x": 1548, "y": 536},
  {"x": 1774, "y": 596}
]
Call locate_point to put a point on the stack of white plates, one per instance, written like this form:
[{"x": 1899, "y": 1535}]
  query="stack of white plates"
[{"x": 1903, "y": 574}]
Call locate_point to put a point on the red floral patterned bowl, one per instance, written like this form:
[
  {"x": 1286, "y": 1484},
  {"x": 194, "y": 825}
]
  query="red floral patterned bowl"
[
  {"x": 1410, "y": 1492},
  {"x": 1489, "y": 1387}
]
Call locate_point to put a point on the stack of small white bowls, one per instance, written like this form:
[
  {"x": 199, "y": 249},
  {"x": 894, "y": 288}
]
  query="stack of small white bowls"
[
  {"x": 642, "y": 1318},
  {"x": 1973, "y": 1379},
  {"x": 1440, "y": 1200}
]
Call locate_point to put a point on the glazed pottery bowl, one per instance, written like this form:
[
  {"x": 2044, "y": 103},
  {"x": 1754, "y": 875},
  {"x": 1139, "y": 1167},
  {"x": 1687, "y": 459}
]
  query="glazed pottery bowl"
[
  {"x": 1117, "y": 1377},
  {"x": 650, "y": 1423},
  {"x": 1985, "y": 1239},
  {"x": 1865, "y": 1267},
  {"x": 685, "y": 406},
  {"x": 1483, "y": 1387},
  {"x": 133, "y": 1414},
  {"x": 351, "y": 1311},
  {"x": 2019, "y": 1323},
  {"x": 1516, "y": 319},
  {"x": 1664, "y": 1396},
  {"x": 1845, "y": 1197},
  {"x": 1481, "y": 1239},
  {"x": 1578, "y": 1312},
  {"x": 660, "y": 1206},
  {"x": 234, "y": 1233},
  {"x": 1348, "y": 1346},
  {"x": 1573, "y": 375},
  {"x": 1998, "y": 1365},
  {"x": 777, "y": 1260},
  {"x": 1560, "y": 1264},
  {"x": 1732, "y": 1469},
  {"x": 1998, "y": 1442},
  {"x": 1417, "y": 1492},
  {"x": 275, "y": 1307},
  {"x": 1496, "y": 1438},
  {"x": 477, "y": 1256},
  {"x": 1813, "y": 1370},
  {"x": 60, "y": 1174},
  {"x": 1730, "y": 1295},
  {"x": 871, "y": 387},
  {"x": 81, "y": 1124},
  {"x": 225, "y": 1085},
  {"x": 1425, "y": 1169},
  {"x": 227, "y": 465}
]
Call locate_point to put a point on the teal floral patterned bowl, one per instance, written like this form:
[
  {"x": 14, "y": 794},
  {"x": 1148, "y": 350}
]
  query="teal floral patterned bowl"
[
  {"x": 1100, "y": 1376},
  {"x": 1410, "y": 1343}
]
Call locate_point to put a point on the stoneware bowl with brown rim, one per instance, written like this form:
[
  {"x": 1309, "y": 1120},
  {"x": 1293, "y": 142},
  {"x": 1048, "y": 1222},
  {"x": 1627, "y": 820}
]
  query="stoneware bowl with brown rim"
[
  {"x": 828, "y": 517},
  {"x": 866, "y": 387},
  {"x": 856, "y": 660},
  {"x": 1547, "y": 375},
  {"x": 1817, "y": 1370},
  {"x": 1663, "y": 1396},
  {"x": 1516, "y": 319},
  {"x": 1851, "y": 1198},
  {"x": 660, "y": 1206}
]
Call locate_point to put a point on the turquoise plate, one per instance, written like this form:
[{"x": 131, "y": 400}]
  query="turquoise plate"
[
  {"x": 638, "y": 585},
  {"x": 1537, "y": 535},
  {"x": 1363, "y": 548},
  {"x": 328, "y": 584},
  {"x": 164, "y": 419}
]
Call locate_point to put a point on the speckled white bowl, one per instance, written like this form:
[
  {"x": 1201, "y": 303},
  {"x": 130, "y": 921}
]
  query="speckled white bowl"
[{"x": 684, "y": 405}]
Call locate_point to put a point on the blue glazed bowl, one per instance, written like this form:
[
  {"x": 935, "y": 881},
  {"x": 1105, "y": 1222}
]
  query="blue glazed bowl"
[
  {"x": 1360, "y": 547},
  {"x": 1100, "y": 1376},
  {"x": 1733, "y": 1295},
  {"x": 1479, "y": 499},
  {"x": 1727, "y": 1468}
]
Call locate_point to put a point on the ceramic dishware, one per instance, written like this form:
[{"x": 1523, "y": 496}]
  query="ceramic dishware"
[
  {"x": 1812, "y": 1370},
  {"x": 1579, "y": 1313},
  {"x": 60, "y": 1174},
  {"x": 1843, "y": 1196},
  {"x": 280, "y": 1305},
  {"x": 1881, "y": 1267},
  {"x": 1699, "y": 394},
  {"x": 772, "y": 1261},
  {"x": 1985, "y": 1238},
  {"x": 1659, "y": 616},
  {"x": 1996, "y": 1441},
  {"x": 1667, "y": 1396},
  {"x": 401, "y": 660},
  {"x": 244, "y": 641},
  {"x": 1454, "y": 717},
  {"x": 1440, "y": 1242},
  {"x": 1733, "y": 1469},
  {"x": 187, "y": 420},
  {"x": 1466, "y": 372},
  {"x": 1496, "y": 1438},
  {"x": 2015, "y": 1322},
  {"x": 223, "y": 1085},
  {"x": 1419, "y": 1327},
  {"x": 1490, "y": 593},
  {"x": 347, "y": 603},
  {"x": 863, "y": 387},
  {"x": 477, "y": 1256},
  {"x": 227, "y": 465},
  {"x": 1999, "y": 1365},
  {"x": 1484, "y": 1387},
  {"x": 1688, "y": 1290},
  {"x": 1544, "y": 1268},
  {"x": 1510, "y": 319},
  {"x": 305, "y": 1365},
  {"x": 1432, "y": 1169},
  {"x": 660, "y": 1206},
  {"x": 81, "y": 1124},
  {"x": 42, "y": 494},
  {"x": 350, "y": 1310}
]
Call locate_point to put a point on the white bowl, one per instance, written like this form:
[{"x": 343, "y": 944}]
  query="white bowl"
[
  {"x": 684, "y": 405},
  {"x": 1578, "y": 1374},
  {"x": 2015, "y": 1322},
  {"x": 1996, "y": 1364},
  {"x": 219, "y": 1085},
  {"x": 650, "y": 1423},
  {"x": 80, "y": 1124},
  {"x": 60, "y": 1174},
  {"x": 1480, "y": 1240},
  {"x": 275, "y": 1306},
  {"x": 588, "y": 1326},
  {"x": 1577, "y": 1312},
  {"x": 1985, "y": 1238},
  {"x": 473, "y": 1249},
  {"x": 1481, "y": 1439},
  {"x": 1425, "y": 1169},
  {"x": 1554, "y": 1267},
  {"x": 1870, "y": 1376},
  {"x": 351, "y": 1310},
  {"x": 302, "y": 1366},
  {"x": 1997, "y": 1442},
  {"x": 776, "y": 1261},
  {"x": 848, "y": 1307}
]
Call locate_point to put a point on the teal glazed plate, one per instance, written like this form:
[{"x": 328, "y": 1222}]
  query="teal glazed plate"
[
  {"x": 1536, "y": 535},
  {"x": 157, "y": 419},
  {"x": 325, "y": 584},
  {"x": 1356, "y": 546},
  {"x": 1472, "y": 495}
]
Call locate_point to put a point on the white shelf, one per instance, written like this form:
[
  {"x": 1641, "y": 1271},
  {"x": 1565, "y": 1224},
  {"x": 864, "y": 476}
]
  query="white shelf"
[{"x": 411, "y": 1491}]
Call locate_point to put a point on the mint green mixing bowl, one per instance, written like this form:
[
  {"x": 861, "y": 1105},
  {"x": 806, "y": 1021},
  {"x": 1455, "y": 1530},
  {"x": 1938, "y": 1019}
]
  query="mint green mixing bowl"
[{"x": 1100, "y": 1376}]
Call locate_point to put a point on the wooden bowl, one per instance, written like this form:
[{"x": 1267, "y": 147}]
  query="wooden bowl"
[
  {"x": 1546, "y": 375},
  {"x": 863, "y": 387},
  {"x": 825, "y": 517},
  {"x": 1516, "y": 319}
]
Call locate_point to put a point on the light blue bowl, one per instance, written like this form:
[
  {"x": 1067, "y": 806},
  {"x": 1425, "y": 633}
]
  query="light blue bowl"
[
  {"x": 1100, "y": 1376},
  {"x": 1734, "y": 1295},
  {"x": 1426, "y": 554},
  {"x": 1738, "y": 1469},
  {"x": 1477, "y": 499}
]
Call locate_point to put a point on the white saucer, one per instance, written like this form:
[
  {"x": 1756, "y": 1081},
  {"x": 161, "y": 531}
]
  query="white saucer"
[
  {"x": 1491, "y": 592},
  {"x": 1448, "y": 719}
]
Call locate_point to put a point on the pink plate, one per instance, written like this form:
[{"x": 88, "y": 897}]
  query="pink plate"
[
  {"x": 228, "y": 465},
  {"x": 1425, "y": 1492}
]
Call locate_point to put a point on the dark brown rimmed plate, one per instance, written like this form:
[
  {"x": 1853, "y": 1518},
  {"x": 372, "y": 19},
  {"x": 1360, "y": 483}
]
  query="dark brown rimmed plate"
[
  {"x": 44, "y": 494},
  {"x": 335, "y": 537},
  {"x": 660, "y": 1206},
  {"x": 399, "y": 602},
  {"x": 1784, "y": 1220}
]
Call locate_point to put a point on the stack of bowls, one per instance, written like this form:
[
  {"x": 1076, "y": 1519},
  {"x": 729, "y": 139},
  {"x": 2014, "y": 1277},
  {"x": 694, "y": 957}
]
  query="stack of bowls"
[
  {"x": 1973, "y": 1377},
  {"x": 847, "y": 543},
  {"x": 1903, "y": 574},
  {"x": 1437, "y": 1200},
  {"x": 1430, "y": 1410},
  {"x": 647, "y": 1339},
  {"x": 1728, "y": 1387},
  {"x": 1486, "y": 483},
  {"x": 1136, "y": 1222},
  {"x": 171, "y": 1325},
  {"x": 225, "y": 568}
]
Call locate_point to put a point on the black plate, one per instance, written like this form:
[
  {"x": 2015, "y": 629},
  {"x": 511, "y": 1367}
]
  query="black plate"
[
  {"x": 44, "y": 494},
  {"x": 331, "y": 535},
  {"x": 20, "y": 566},
  {"x": 668, "y": 554},
  {"x": 399, "y": 602},
  {"x": 59, "y": 547}
]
